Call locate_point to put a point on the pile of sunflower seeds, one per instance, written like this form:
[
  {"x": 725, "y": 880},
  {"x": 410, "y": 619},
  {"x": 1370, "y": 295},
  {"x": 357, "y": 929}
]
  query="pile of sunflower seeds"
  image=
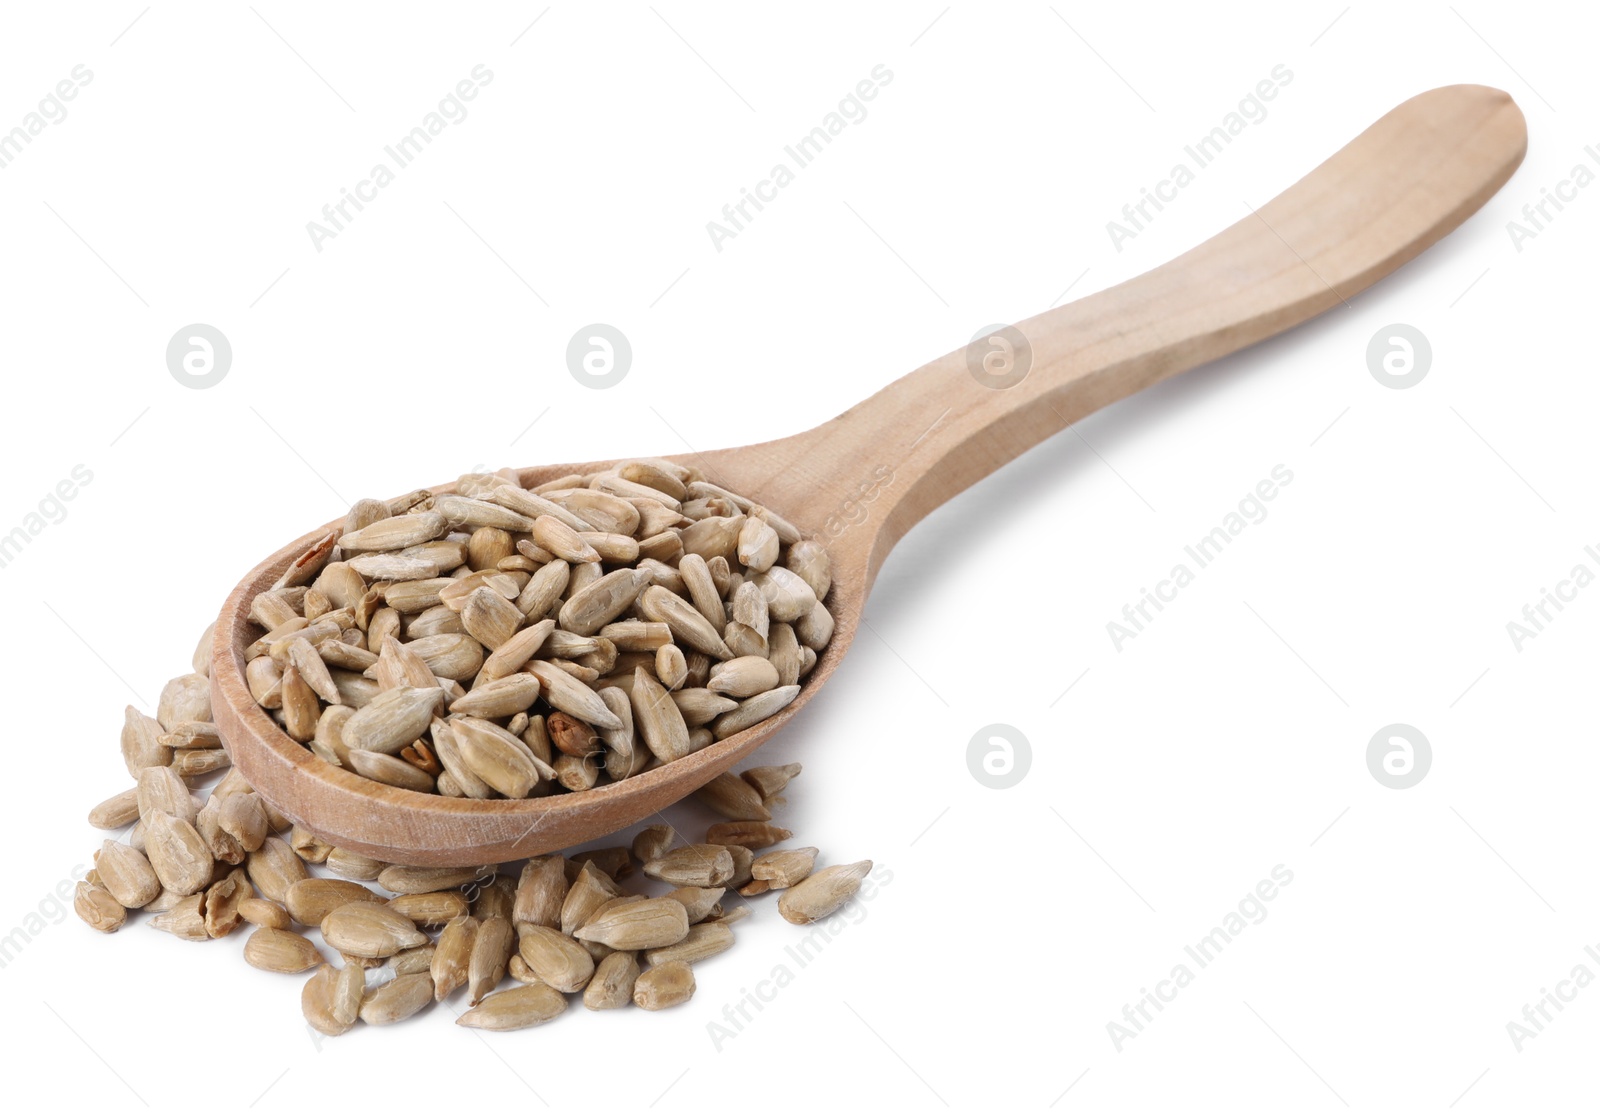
[
  {"x": 508, "y": 642},
  {"x": 207, "y": 865}
]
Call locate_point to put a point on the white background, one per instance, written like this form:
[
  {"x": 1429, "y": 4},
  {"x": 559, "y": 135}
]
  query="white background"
[{"x": 1228, "y": 738}]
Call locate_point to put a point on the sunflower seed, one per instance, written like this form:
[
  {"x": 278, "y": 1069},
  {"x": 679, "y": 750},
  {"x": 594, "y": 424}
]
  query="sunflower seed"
[
  {"x": 323, "y": 996},
  {"x": 568, "y": 695},
  {"x": 822, "y": 893},
  {"x": 97, "y": 908},
  {"x": 516, "y": 1008},
  {"x": 274, "y": 868},
  {"x": 644, "y": 924},
  {"x": 492, "y": 946},
  {"x": 126, "y": 873},
  {"x": 612, "y": 984},
  {"x": 694, "y": 865},
  {"x": 178, "y": 854},
  {"x": 391, "y": 771},
  {"x": 688, "y": 626},
  {"x": 398, "y": 999},
  {"x": 310, "y": 900},
  {"x": 394, "y": 533},
  {"x": 700, "y": 943},
  {"x": 431, "y": 909},
  {"x": 754, "y": 710},
  {"x": 500, "y": 697},
  {"x": 392, "y": 720},
  {"x": 141, "y": 742},
  {"x": 117, "y": 810},
  {"x": 770, "y": 781},
  {"x": 734, "y": 798},
  {"x": 186, "y": 919},
  {"x": 351, "y": 865},
  {"x": 663, "y": 986},
  {"x": 278, "y": 950},
  {"x": 556, "y": 959},
  {"x": 264, "y": 912},
  {"x": 754, "y": 835},
  {"x": 452, "y": 956},
  {"x": 369, "y": 929},
  {"x": 784, "y": 868}
]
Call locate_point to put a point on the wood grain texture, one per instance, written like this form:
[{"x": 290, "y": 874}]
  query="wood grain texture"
[{"x": 1391, "y": 192}]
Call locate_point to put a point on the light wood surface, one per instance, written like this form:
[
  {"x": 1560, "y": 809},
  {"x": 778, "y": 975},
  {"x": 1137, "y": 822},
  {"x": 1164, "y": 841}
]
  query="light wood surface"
[{"x": 1392, "y": 191}]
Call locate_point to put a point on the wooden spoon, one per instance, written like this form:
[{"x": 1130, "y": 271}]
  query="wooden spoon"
[{"x": 1391, "y": 192}]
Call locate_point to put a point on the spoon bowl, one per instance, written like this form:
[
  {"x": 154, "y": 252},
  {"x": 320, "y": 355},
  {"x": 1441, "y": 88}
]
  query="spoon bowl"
[{"x": 860, "y": 481}]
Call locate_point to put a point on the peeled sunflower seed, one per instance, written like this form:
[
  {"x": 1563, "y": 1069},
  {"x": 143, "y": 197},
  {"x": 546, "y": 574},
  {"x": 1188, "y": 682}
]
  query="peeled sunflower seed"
[
  {"x": 370, "y": 929},
  {"x": 612, "y": 984},
  {"x": 646, "y": 924},
  {"x": 221, "y": 905},
  {"x": 541, "y": 891},
  {"x": 590, "y": 889},
  {"x": 409, "y": 961},
  {"x": 688, "y": 626},
  {"x": 556, "y": 959},
  {"x": 392, "y": 720},
  {"x": 264, "y": 912},
  {"x": 770, "y": 781},
  {"x": 743, "y": 677},
  {"x": 401, "y": 879},
  {"x": 395, "y": 533},
  {"x": 754, "y": 711},
  {"x": 492, "y": 947},
  {"x": 97, "y": 908},
  {"x": 663, "y": 986},
  {"x": 734, "y": 798},
  {"x": 186, "y": 920},
  {"x": 391, "y": 771},
  {"x": 127, "y": 874},
  {"x": 694, "y": 865},
  {"x": 141, "y": 742},
  {"x": 277, "y": 950},
  {"x": 515, "y": 1008},
  {"x": 351, "y": 865},
  {"x": 178, "y": 854},
  {"x": 568, "y": 695},
  {"x": 452, "y": 956},
  {"x": 498, "y": 697},
  {"x": 398, "y": 999},
  {"x": 495, "y": 757},
  {"x": 331, "y": 999},
  {"x": 311, "y": 900},
  {"x": 431, "y": 909},
  {"x": 783, "y": 868},
  {"x": 117, "y": 810},
  {"x": 822, "y": 893},
  {"x": 701, "y": 943}
]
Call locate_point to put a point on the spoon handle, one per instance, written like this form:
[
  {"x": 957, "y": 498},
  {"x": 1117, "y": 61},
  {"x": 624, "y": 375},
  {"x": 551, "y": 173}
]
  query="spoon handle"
[{"x": 1391, "y": 192}]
